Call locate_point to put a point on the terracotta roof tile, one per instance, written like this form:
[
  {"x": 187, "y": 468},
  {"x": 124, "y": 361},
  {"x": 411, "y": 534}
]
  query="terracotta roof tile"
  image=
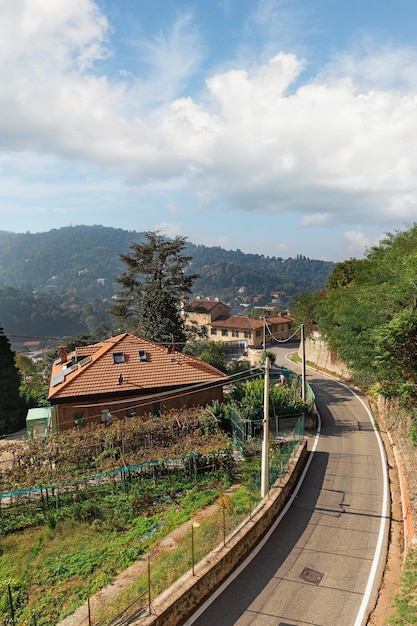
[
  {"x": 247, "y": 323},
  {"x": 239, "y": 322},
  {"x": 101, "y": 374},
  {"x": 83, "y": 351},
  {"x": 279, "y": 319},
  {"x": 206, "y": 304}
]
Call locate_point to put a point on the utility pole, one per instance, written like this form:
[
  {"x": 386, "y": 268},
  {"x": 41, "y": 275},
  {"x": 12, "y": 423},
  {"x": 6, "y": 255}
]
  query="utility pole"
[
  {"x": 264, "y": 320},
  {"x": 303, "y": 365},
  {"x": 265, "y": 440}
]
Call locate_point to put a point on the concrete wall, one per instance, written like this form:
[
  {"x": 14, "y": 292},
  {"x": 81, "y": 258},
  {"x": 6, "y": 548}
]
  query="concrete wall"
[
  {"x": 317, "y": 352},
  {"x": 176, "y": 604}
]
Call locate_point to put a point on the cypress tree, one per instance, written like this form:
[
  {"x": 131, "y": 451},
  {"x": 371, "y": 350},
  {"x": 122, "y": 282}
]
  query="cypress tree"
[{"x": 11, "y": 413}]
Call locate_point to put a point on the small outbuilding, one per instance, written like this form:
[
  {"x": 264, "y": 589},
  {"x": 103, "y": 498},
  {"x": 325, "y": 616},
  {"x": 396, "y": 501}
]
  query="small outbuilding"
[{"x": 39, "y": 421}]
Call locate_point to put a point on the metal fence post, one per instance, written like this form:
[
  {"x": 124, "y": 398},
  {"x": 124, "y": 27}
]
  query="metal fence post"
[{"x": 149, "y": 584}]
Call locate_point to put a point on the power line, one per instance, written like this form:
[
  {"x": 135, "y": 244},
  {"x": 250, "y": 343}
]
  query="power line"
[
  {"x": 139, "y": 402},
  {"x": 287, "y": 339}
]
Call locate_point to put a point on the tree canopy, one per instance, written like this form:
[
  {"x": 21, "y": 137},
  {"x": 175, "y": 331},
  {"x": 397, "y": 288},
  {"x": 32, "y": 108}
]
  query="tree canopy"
[
  {"x": 368, "y": 315},
  {"x": 212, "y": 352},
  {"x": 11, "y": 406},
  {"x": 152, "y": 287}
]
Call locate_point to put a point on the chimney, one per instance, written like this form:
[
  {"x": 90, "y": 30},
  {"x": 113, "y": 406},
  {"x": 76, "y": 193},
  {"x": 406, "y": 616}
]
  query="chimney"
[{"x": 63, "y": 354}]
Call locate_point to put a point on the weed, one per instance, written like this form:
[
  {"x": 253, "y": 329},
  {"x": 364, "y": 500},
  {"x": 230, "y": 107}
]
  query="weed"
[{"x": 51, "y": 520}]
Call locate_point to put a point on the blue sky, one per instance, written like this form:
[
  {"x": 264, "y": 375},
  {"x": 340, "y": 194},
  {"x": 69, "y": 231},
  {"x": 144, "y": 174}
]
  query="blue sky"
[{"x": 278, "y": 127}]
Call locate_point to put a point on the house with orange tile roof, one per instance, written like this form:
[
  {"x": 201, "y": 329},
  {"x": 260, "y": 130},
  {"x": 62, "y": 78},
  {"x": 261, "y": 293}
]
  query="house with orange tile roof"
[
  {"x": 237, "y": 329},
  {"x": 124, "y": 377}
]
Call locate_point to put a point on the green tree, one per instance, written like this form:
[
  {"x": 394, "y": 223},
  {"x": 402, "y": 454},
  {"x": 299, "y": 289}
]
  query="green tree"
[
  {"x": 33, "y": 386},
  {"x": 152, "y": 287},
  {"x": 11, "y": 407},
  {"x": 396, "y": 354},
  {"x": 258, "y": 314},
  {"x": 248, "y": 397},
  {"x": 368, "y": 316},
  {"x": 344, "y": 273},
  {"x": 303, "y": 310},
  {"x": 212, "y": 352},
  {"x": 271, "y": 356}
]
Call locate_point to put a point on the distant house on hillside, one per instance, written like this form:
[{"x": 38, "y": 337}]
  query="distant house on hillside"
[
  {"x": 237, "y": 329},
  {"x": 124, "y": 377}
]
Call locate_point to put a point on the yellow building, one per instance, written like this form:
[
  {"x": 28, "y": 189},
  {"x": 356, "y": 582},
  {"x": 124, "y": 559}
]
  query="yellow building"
[{"x": 236, "y": 329}]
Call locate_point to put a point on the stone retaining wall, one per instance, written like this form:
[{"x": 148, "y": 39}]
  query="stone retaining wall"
[
  {"x": 178, "y": 602},
  {"x": 317, "y": 352}
]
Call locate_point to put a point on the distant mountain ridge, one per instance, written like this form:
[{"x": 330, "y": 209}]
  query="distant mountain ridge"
[{"x": 76, "y": 265}]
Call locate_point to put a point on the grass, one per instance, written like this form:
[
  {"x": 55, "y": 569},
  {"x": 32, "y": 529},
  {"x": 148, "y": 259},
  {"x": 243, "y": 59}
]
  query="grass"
[
  {"x": 404, "y": 607},
  {"x": 169, "y": 566}
]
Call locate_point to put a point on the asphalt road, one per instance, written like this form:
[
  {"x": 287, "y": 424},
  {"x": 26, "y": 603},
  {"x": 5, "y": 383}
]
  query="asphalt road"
[{"x": 324, "y": 561}]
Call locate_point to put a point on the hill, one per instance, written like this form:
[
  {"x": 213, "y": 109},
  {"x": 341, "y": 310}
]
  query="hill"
[{"x": 62, "y": 281}]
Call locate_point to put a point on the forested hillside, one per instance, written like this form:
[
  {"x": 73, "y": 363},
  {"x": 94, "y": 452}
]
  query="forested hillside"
[{"x": 62, "y": 281}]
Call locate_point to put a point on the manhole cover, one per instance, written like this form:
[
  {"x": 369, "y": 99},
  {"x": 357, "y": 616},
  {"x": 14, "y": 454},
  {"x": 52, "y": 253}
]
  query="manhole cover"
[{"x": 311, "y": 576}]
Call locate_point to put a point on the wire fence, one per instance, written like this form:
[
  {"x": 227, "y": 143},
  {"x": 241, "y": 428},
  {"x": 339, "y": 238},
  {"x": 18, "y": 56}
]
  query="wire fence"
[
  {"x": 201, "y": 537},
  {"x": 160, "y": 569}
]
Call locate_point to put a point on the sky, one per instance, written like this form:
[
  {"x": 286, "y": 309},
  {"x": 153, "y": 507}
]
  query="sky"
[{"x": 276, "y": 127}]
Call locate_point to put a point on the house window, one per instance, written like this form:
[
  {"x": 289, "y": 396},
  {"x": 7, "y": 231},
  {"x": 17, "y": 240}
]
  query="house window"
[
  {"x": 258, "y": 333},
  {"x": 79, "y": 419},
  {"x": 247, "y": 334},
  {"x": 235, "y": 333},
  {"x": 105, "y": 416},
  {"x": 156, "y": 408},
  {"x": 225, "y": 332},
  {"x": 131, "y": 412},
  {"x": 213, "y": 331},
  {"x": 142, "y": 355},
  {"x": 118, "y": 357}
]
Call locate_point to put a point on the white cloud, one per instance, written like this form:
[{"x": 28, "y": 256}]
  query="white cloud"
[
  {"x": 173, "y": 208},
  {"x": 40, "y": 36},
  {"x": 371, "y": 65},
  {"x": 315, "y": 219},
  {"x": 358, "y": 243},
  {"x": 169, "y": 229},
  {"x": 171, "y": 58},
  {"x": 331, "y": 150}
]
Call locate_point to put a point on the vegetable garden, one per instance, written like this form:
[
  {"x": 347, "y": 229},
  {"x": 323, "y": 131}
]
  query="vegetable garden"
[{"x": 80, "y": 507}]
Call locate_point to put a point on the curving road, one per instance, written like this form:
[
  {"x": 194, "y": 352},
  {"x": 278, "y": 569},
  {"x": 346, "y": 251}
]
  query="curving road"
[{"x": 323, "y": 563}]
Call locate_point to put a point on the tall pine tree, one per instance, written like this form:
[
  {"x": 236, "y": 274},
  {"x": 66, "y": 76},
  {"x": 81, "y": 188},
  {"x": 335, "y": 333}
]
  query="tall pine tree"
[
  {"x": 152, "y": 287},
  {"x": 11, "y": 407}
]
